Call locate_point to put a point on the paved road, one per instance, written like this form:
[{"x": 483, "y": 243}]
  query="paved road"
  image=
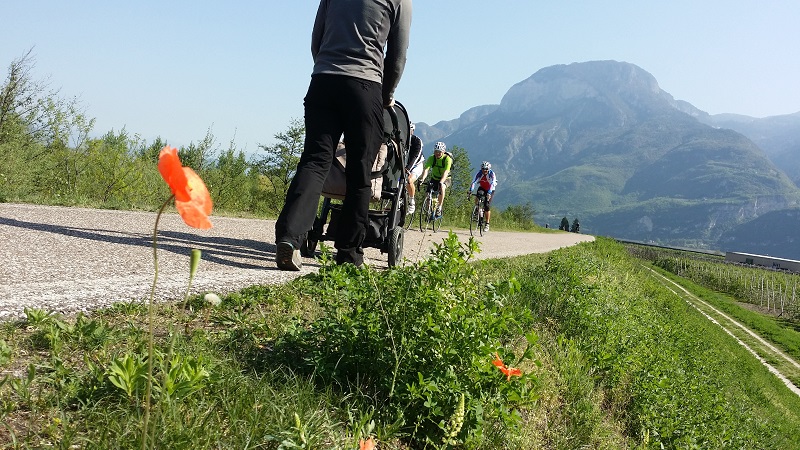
[{"x": 76, "y": 259}]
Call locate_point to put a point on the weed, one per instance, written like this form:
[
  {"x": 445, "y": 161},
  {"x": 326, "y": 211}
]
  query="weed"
[
  {"x": 431, "y": 326},
  {"x": 129, "y": 373}
]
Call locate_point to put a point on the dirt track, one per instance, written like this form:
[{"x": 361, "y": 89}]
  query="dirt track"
[{"x": 76, "y": 259}]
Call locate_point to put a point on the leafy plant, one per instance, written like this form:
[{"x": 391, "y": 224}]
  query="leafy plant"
[
  {"x": 432, "y": 327},
  {"x": 5, "y": 352},
  {"x": 129, "y": 374},
  {"x": 184, "y": 377},
  {"x": 36, "y": 316}
]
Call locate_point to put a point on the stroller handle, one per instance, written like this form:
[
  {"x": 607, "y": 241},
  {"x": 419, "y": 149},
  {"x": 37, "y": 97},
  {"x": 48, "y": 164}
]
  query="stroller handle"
[{"x": 393, "y": 115}]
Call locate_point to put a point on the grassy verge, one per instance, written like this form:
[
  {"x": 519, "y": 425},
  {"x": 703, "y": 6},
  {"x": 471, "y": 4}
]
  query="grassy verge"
[
  {"x": 766, "y": 335},
  {"x": 777, "y": 330},
  {"x": 607, "y": 358}
]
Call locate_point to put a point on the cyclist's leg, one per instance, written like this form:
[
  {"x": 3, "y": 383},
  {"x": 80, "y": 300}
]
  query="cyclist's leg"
[
  {"x": 412, "y": 190},
  {"x": 442, "y": 190},
  {"x": 487, "y": 213},
  {"x": 478, "y": 194},
  {"x": 413, "y": 176}
]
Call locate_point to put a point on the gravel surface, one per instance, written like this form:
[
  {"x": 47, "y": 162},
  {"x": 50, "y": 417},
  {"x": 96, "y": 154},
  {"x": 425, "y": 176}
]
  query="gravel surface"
[{"x": 76, "y": 259}]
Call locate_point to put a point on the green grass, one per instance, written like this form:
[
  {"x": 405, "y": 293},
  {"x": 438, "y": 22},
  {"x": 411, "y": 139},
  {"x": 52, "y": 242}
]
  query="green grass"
[
  {"x": 781, "y": 332},
  {"x": 609, "y": 359}
]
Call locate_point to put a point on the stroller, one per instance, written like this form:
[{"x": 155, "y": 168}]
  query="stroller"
[{"x": 388, "y": 207}]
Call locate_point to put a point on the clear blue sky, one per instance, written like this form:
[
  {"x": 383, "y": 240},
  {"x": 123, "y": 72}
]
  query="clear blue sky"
[{"x": 175, "y": 68}]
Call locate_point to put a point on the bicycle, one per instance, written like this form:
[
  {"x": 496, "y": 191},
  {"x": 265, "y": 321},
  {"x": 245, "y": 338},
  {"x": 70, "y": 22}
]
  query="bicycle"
[
  {"x": 476, "y": 218},
  {"x": 427, "y": 214}
]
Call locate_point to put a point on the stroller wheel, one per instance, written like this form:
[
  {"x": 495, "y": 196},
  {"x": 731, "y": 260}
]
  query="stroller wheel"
[
  {"x": 308, "y": 246},
  {"x": 396, "y": 246}
]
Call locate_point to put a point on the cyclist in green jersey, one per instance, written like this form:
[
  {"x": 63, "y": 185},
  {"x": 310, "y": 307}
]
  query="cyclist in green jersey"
[{"x": 439, "y": 165}]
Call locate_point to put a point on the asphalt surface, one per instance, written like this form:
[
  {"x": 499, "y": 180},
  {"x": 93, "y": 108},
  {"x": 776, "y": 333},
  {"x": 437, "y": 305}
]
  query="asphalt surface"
[{"x": 67, "y": 260}]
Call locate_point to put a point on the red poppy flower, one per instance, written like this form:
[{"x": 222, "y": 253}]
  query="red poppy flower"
[
  {"x": 192, "y": 199},
  {"x": 507, "y": 371},
  {"x": 368, "y": 444}
]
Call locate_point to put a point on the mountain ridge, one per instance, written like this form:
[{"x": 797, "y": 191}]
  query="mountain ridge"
[{"x": 602, "y": 140}]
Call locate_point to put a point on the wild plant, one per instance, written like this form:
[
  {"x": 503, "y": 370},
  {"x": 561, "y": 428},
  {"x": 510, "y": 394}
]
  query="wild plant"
[
  {"x": 129, "y": 373},
  {"x": 5, "y": 353},
  {"x": 91, "y": 333},
  {"x": 433, "y": 328},
  {"x": 183, "y": 377},
  {"x": 36, "y": 316},
  {"x": 194, "y": 204},
  {"x": 21, "y": 387}
]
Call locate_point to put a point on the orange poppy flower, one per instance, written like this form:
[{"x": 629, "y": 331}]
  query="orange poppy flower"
[
  {"x": 507, "y": 371},
  {"x": 192, "y": 199},
  {"x": 368, "y": 444},
  {"x": 169, "y": 164}
]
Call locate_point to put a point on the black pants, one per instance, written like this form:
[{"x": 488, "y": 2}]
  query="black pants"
[{"x": 335, "y": 105}]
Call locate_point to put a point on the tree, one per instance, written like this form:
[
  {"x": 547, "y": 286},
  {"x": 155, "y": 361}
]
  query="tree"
[
  {"x": 576, "y": 227},
  {"x": 150, "y": 152},
  {"x": 520, "y": 215},
  {"x": 19, "y": 97},
  {"x": 111, "y": 175},
  {"x": 43, "y": 138},
  {"x": 564, "y": 224},
  {"x": 67, "y": 140},
  {"x": 280, "y": 162},
  {"x": 199, "y": 156},
  {"x": 456, "y": 205},
  {"x": 29, "y": 110},
  {"x": 229, "y": 181}
]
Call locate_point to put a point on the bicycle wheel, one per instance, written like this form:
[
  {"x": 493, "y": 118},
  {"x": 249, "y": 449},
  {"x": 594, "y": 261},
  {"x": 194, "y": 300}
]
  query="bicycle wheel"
[
  {"x": 410, "y": 220},
  {"x": 437, "y": 222},
  {"x": 473, "y": 220},
  {"x": 425, "y": 213}
]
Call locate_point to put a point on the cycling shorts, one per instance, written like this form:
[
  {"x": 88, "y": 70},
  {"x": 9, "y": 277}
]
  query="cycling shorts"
[
  {"x": 446, "y": 182},
  {"x": 416, "y": 171},
  {"x": 488, "y": 200}
]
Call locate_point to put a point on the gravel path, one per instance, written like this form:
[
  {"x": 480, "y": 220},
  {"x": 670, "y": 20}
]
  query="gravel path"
[{"x": 76, "y": 259}]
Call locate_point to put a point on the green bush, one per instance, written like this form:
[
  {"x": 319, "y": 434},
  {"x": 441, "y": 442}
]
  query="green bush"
[{"x": 418, "y": 343}]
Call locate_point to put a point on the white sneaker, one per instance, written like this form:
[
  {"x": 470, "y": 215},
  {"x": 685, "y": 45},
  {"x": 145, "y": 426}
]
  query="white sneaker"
[
  {"x": 486, "y": 228},
  {"x": 412, "y": 206}
]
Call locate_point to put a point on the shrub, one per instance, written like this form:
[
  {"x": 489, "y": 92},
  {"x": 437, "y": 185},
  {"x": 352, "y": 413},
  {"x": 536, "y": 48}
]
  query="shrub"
[{"x": 418, "y": 343}]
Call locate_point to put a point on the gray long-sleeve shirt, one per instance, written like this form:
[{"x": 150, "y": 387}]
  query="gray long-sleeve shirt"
[{"x": 349, "y": 37}]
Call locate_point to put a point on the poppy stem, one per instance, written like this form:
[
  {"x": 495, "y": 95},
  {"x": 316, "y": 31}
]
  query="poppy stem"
[{"x": 148, "y": 392}]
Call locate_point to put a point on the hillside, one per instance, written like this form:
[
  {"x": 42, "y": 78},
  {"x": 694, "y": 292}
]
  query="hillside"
[
  {"x": 774, "y": 234},
  {"x": 603, "y": 142},
  {"x": 778, "y": 136}
]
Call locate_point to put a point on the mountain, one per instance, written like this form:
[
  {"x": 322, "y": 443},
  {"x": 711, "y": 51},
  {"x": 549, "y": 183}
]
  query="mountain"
[
  {"x": 778, "y": 136},
  {"x": 602, "y": 141},
  {"x": 431, "y": 133},
  {"x": 773, "y": 233}
]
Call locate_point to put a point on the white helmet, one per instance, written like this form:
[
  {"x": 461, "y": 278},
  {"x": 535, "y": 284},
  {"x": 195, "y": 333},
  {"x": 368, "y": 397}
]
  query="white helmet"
[
  {"x": 486, "y": 165},
  {"x": 439, "y": 147}
]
